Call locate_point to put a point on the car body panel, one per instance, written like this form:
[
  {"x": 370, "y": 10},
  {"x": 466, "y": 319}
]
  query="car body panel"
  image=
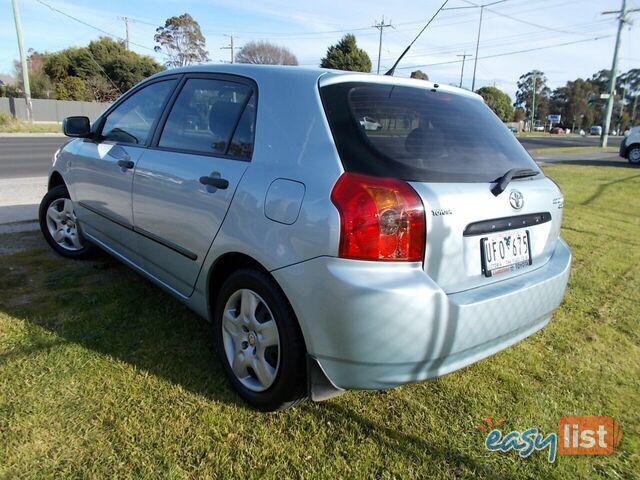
[
  {"x": 399, "y": 326},
  {"x": 177, "y": 216}
]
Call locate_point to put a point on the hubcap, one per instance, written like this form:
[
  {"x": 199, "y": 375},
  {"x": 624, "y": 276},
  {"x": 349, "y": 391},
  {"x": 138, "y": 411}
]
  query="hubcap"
[
  {"x": 63, "y": 225},
  {"x": 251, "y": 340},
  {"x": 634, "y": 155}
]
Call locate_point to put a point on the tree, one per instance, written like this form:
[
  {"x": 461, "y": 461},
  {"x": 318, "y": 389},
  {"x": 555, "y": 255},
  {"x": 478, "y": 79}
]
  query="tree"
[
  {"x": 346, "y": 55},
  {"x": 524, "y": 95},
  {"x": 266, "y": 53},
  {"x": 498, "y": 101},
  {"x": 574, "y": 102},
  {"x": 420, "y": 75},
  {"x": 73, "y": 88},
  {"x": 518, "y": 115},
  {"x": 631, "y": 82},
  {"x": 105, "y": 66},
  {"x": 182, "y": 41},
  {"x": 40, "y": 84}
]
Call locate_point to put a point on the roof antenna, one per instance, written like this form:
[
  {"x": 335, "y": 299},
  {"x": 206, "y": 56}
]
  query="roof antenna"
[{"x": 393, "y": 69}]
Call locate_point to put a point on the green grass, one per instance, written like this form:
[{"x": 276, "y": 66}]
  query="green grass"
[
  {"x": 104, "y": 375},
  {"x": 574, "y": 149},
  {"x": 8, "y": 124}
]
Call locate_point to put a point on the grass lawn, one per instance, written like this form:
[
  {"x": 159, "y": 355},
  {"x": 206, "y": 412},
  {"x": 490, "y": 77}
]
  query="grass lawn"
[
  {"x": 574, "y": 149},
  {"x": 8, "y": 124},
  {"x": 104, "y": 375}
]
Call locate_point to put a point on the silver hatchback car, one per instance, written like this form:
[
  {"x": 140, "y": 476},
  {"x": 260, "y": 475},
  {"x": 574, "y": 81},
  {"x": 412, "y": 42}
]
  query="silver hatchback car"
[{"x": 327, "y": 256}]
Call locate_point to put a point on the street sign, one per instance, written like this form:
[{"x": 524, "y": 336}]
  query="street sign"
[{"x": 553, "y": 118}]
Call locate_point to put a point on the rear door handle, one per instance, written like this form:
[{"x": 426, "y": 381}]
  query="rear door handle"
[
  {"x": 127, "y": 164},
  {"x": 216, "y": 182}
]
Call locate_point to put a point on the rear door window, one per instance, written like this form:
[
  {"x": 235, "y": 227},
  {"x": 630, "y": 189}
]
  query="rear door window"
[
  {"x": 419, "y": 134},
  {"x": 205, "y": 115}
]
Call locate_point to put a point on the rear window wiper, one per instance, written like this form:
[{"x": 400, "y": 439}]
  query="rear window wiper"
[{"x": 503, "y": 181}]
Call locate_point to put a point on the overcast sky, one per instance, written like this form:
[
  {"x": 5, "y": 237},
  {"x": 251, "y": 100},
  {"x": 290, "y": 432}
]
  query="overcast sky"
[{"x": 558, "y": 34}]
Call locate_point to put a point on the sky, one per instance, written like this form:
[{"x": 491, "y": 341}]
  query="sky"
[{"x": 565, "y": 39}]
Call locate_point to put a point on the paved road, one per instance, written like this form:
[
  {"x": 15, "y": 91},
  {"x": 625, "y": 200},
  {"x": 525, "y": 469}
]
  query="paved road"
[
  {"x": 23, "y": 157},
  {"x": 552, "y": 141}
]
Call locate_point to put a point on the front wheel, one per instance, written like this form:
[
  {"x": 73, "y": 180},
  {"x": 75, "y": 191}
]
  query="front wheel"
[
  {"x": 633, "y": 155},
  {"x": 60, "y": 227},
  {"x": 259, "y": 342}
]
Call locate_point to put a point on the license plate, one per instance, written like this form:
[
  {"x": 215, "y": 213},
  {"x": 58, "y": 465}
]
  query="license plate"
[{"x": 505, "y": 252}]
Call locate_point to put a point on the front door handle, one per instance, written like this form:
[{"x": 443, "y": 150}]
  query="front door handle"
[
  {"x": 126, "y": 164},
  {"x": 216, "y": 182}
]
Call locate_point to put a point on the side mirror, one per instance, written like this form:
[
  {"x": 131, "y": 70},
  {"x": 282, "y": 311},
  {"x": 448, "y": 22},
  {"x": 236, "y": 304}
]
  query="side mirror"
[{"x": 76, "y": 127}]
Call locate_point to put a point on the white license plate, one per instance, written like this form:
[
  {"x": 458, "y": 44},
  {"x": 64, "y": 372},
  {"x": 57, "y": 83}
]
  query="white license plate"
[{"x": 505, "y": 252}]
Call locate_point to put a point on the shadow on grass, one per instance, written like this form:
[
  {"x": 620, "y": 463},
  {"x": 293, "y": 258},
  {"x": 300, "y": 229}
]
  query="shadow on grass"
[
  {"x": 604, "y": 186},
  {"x": 618, "y": 163},
  {"x": 105, "y": 307}
]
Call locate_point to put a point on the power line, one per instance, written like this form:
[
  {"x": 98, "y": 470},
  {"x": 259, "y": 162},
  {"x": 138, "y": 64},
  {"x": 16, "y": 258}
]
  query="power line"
[
  {"x": 495, "y": 41},
  {"x": 504, "y": 54},
  {"x": 526, "y": 22},
  {"x": 51, "y": 7}
]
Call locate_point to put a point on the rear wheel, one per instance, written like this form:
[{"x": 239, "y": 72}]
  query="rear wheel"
[
  {"x": 60, "y": 227},
  {"x": 633, "y": 155},
  {"x": 259, "y": 342}
]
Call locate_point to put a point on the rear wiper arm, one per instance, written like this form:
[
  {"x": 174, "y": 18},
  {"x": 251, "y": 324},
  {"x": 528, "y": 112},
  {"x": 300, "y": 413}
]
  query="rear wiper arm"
[{"x": 503, "y": 181}]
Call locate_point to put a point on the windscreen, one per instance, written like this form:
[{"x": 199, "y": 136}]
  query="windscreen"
[{"x": 419, "y": 134}]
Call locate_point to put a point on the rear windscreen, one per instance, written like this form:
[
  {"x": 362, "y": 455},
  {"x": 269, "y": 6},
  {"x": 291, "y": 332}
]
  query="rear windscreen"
[{"x": 419, "y": 134}]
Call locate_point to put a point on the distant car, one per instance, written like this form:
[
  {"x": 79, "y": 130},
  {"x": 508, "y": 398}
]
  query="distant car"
[
  {"x": 513, "y": 129},
  {"x": 630, "y": 146},
  {"x": 595, "y": 130},
  {"x": 370, "y": 124},
  {"x": 557, "y": 131},
  {"x": 538, "y": 128}
]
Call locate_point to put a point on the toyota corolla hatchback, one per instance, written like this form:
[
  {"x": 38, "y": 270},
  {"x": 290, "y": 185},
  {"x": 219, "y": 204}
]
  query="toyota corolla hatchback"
[{"x": 327, "y": 255}]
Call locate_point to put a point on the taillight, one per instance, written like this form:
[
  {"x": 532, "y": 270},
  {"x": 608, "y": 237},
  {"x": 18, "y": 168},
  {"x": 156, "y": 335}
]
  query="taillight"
[{"x": 380, "y": 218}]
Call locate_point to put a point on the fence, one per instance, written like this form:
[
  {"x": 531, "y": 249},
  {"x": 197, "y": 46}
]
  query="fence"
[{"x": 51, "y": 110}]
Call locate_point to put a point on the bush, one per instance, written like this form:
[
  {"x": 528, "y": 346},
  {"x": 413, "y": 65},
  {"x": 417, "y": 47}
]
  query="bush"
[{"x": 6, "y": 119}]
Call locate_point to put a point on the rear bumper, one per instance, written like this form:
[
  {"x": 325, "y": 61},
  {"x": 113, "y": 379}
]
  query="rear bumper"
[{"x": 374, "y": 325}]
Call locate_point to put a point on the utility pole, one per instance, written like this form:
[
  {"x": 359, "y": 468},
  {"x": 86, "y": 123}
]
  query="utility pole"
[
  {"x": 533, "y": 104},
  {"x": 475, "y": 59},
  {"x": 23, "y": 60},
  {"x": 464, "y": 56},
  {"x": 230, "y": 47},
  {"x": 622, "y": 19},
  {"x": 481, "y": 7},
  {"x": 126, "y": 31},
  {"x": 381, "y": 26}
]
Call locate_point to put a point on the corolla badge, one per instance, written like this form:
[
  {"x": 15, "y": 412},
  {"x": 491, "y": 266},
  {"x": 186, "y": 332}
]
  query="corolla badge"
[{"x": 516, "y": 199}]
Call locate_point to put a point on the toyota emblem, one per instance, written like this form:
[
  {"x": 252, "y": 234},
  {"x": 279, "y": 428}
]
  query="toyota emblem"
[{"x": 516, "y": 199}]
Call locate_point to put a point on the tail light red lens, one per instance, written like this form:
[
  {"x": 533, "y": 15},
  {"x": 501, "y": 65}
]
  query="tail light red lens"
[{"x": 380, "y": 219}]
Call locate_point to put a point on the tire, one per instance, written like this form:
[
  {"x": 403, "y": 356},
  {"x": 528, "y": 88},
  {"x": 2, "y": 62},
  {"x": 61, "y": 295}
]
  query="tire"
[
  {"x": 249, "y": 339},
  {"x": 633, "y": 155},
  {"x": 71, "y": 243}
]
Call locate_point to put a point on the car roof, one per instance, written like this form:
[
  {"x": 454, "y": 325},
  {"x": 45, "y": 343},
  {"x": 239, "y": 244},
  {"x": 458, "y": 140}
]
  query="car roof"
[{"x": 323, "y": 76}]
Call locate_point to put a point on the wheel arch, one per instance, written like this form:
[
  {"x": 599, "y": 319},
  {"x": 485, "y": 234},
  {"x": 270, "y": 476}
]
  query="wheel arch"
[
  {"x": 56, "y": 179},
  {"x": 231, "y": 262},
  {"x": 629, "y": 147}
]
